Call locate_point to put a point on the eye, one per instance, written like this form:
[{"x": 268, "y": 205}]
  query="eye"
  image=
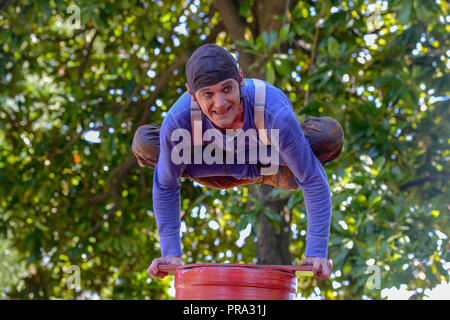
[
  {"x": 207, "y": 95},
  {"x": 228, "y": 89}
]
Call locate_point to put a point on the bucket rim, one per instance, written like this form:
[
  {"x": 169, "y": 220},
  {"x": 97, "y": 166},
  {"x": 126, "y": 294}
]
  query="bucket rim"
[{"x": 284, "y": 268}]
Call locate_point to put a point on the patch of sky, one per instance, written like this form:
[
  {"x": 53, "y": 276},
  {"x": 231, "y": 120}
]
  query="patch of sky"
[
  {"x": 214, "y": 225},
  {"x": 182, "y": 29},
  {"x": 92, "y": 136},
  {"x": 243, "y": 235}
]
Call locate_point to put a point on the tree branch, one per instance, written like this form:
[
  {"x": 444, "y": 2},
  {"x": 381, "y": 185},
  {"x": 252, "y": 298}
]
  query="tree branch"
[
  {"x": 67, "y": 146},
  {"x": 87, "y": 55},
  {"x": 120, "y": 172},
  {"x": 99, "y": 198},
  {"x": 313, "y": 58},
  {"x": 98, "y": 225},
  {"x": 59, "y": 39},
  {"x": 445, "y": 177},
  {"x": 136, "y": 88}
]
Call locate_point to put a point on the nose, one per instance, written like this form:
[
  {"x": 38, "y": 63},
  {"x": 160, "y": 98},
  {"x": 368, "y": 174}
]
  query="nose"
[{"x": 219, "y": 102}]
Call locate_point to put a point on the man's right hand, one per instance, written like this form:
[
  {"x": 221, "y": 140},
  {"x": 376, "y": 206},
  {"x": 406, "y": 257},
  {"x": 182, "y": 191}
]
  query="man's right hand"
[{"x": 153, "y": 269}]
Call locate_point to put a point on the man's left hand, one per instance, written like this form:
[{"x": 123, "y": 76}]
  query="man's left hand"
[{"x": 321, "y": 267}]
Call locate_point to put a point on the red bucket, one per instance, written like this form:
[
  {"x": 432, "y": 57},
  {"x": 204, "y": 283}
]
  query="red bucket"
[{"x": 225, "y": 281}]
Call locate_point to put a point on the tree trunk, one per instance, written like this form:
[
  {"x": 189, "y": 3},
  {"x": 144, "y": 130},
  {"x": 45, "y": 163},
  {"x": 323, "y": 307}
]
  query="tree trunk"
[
  {"x": 273, "y": 246},
  {"x": 235, "y": 26}
]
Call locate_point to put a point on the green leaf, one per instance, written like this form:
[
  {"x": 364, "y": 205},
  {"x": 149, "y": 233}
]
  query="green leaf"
[
  {"x": 111, "y": 145},
  {"x": 379, "y": 162},
  {"x": 340, "y": 259},
  {"x": 265, "y": 38},
  {"x": 284, "y": 32},
  {"x": 273, "y": 217},
  {"x": 333, "y": 47},
  {"x": 110, "y": 121},
  {"x": 273, "y": 39},
  {"x": 243, "y": 43},
  {"x": 342, "y": 49},
  {"x": 404, "y": 13},
  {"x": 396, "y": 170},
  {"x": 292, "y": 202},
  {"x": 270, "y": 73},
  {"x": 281, "y": 67},
  {"x": 245, "y": 8}
]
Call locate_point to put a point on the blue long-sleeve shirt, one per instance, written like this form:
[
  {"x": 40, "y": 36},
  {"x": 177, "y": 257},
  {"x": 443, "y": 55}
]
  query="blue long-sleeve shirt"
[{"x": 294, "y": 151}]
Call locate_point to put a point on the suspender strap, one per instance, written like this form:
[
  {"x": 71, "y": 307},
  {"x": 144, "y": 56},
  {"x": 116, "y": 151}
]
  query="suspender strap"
[
  {"x": 196, "y": 124},
  {"x": 260, "y": 102}
]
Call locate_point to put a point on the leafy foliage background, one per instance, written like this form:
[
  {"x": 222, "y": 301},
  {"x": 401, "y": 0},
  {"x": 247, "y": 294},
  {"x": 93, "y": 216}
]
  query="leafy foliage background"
[{"x": 379, "y": 67}]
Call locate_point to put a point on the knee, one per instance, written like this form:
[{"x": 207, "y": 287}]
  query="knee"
[
  {"x": 335, "y": 133},
  {"x": 333, "y": 141},
  {"x": 325, "y": 136},
  {"x": 145, "y": 145},
  {"x": 146, "y": 137},
  {"x": 323, "y": 131},
  {"x": 136, "y": 145}
]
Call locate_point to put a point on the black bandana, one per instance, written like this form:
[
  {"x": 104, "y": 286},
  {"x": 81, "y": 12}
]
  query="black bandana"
[{"x": 208, "y": 65}]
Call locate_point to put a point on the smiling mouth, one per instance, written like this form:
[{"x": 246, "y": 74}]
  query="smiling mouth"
[{"x": 222, "y": 113}]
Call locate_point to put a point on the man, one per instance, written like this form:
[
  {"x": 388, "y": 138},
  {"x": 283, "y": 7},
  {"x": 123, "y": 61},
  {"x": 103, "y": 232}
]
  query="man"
[{"x": 217, "y": 87}]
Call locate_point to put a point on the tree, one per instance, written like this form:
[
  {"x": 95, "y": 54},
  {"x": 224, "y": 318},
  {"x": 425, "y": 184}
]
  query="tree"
[{"x": 378, "y": 67}]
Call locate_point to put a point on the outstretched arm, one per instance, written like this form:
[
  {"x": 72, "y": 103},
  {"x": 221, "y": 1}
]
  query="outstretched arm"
[
  {"x": 311, "y": 177},
  {"x": 166, "y": 201}
]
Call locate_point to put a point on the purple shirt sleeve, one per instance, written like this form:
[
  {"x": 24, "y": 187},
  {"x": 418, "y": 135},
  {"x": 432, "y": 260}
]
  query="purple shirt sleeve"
[
  {"x": 309, "y": 174},
  {"x": 166, "y": 193}
]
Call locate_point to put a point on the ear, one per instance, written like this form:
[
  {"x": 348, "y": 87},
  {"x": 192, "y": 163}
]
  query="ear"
[
  {"x": 190, "y": 93},
  {"x": 241, "y": 74}
]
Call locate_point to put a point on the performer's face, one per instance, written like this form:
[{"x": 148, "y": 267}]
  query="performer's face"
[{"x": 221, "y": 102}]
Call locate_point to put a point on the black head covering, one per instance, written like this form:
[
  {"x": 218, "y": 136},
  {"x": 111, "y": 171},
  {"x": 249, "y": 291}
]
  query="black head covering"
[{"x": 208, "y": 65}]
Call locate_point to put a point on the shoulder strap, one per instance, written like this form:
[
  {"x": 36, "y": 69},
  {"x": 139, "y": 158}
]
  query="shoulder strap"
[
  {"x": 260, "y": 102},
  {"x": 196, "y": 124}
]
